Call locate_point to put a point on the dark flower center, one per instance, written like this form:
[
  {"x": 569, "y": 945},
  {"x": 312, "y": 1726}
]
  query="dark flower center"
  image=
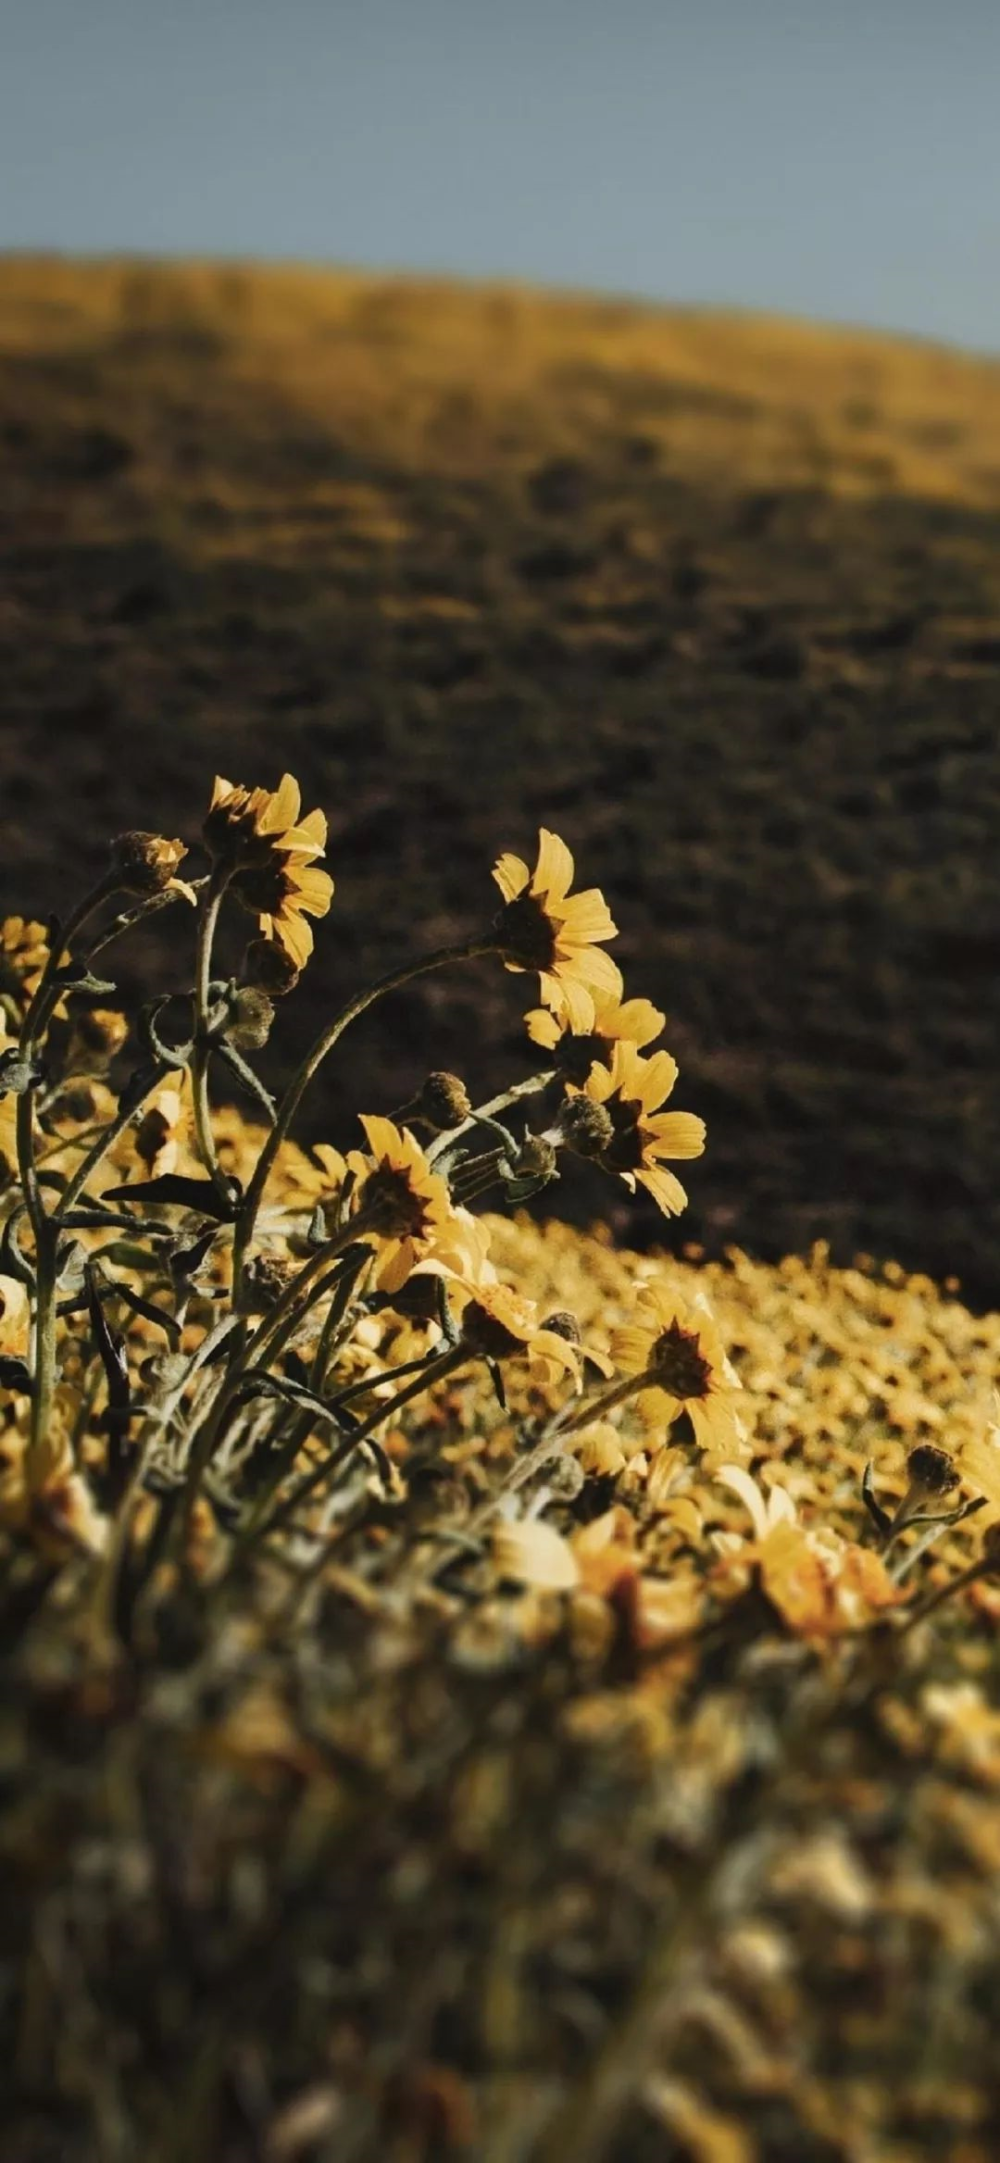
[
  {"x": 526, "y": 935},
  {"x": 484, "y": 1334},
  {"x": 624, "y": 1152},
  {"x": 679, "y": 1364},
  {"x": 391, "y": 1205},
  {"x": 265, "y": 887},
  {"x": 575, "y": 1055}
]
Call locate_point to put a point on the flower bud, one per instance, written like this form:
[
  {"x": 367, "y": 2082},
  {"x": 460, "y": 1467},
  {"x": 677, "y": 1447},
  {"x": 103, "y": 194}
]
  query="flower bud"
[
  {"x": 536, "y": 1158},
  {"x": 931, "y": 1469},
  {"x": 252, "y": 1013},
  {"x": 265, "y": 1278},
  {"x": 443, "y": 1102},
  {"x": 267, "y": 967},
  {"x": 145, "y": 863},
  {"x": 585, "y": 1127},
  {"x": 563, "y": 1324}
]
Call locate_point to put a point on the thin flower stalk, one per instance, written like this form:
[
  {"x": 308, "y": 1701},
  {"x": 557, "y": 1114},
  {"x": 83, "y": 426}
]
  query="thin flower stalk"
[{"x": 469, "y": 950}]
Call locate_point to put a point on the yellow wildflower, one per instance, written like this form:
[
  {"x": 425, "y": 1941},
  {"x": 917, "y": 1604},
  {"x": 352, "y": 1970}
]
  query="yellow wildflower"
[
  {"x": 677, "y": 1350},
  {"x": 633, "y": 1021},
  {"x": 270, "y": 853},
  {"x": 631, "y": 1091},
  {"x": 820, "y": 1583},
  {"x": 500, "y": 1323},
  {"x": 406, "y": 1206},
  {"x": 543, "y": 926}
]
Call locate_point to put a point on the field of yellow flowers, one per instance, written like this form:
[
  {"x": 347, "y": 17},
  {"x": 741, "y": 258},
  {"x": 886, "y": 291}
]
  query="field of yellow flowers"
[{"x": 470, "y": 1691}]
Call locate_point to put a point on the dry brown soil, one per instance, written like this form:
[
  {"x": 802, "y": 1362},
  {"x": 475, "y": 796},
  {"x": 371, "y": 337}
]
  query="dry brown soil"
[{"x": 717, "y": 598}]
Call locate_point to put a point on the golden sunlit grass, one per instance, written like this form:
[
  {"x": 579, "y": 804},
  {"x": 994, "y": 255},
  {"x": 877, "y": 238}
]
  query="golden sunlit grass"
[{"x": 470, "y": 1690}]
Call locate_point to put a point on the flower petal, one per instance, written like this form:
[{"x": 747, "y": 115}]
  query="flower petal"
[
  {"x": 512, "y": 876},
  {"x": 553, "y": 875}
]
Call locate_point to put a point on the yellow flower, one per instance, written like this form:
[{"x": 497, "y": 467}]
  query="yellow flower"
[
  {"x": 630, "y": 1091},
  {"x": 270, "y": 853},
  {"x": 60, "y": 1516},
  {"x": 979, "y": 1465},
  {"x": 24, "y": 952},
  {"x": 405, "y": 1206},
  {"x": 284, "y": 894},
  {"x": 677, "y": 1350},
  {"x": 500, "y": 1323},
  {"x": 543, "y": 926},
  {"x": 819, "y": 1582},
  {"x": 15, "y": 1317},
  {"x": 243, "y": 826},
  {"x": 163, "y": 1130},
  {"x": 634, "y": 1021}
]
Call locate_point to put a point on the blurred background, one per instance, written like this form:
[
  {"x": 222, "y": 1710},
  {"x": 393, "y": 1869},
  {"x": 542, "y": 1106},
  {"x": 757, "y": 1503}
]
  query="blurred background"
[{"x": 713, "y": 591}]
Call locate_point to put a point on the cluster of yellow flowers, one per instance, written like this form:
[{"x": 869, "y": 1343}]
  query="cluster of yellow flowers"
[
  {"x": 318, "y": 1304},
  {"x": 420, "y": 1546}
]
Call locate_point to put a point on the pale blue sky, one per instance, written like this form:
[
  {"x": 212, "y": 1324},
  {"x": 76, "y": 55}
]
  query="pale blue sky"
[{"x": 837, "y": 161}]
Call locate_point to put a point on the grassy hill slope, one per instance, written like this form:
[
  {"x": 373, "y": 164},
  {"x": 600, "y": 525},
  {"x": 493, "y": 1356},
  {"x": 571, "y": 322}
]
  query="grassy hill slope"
[{"x": 717, "y": 598}]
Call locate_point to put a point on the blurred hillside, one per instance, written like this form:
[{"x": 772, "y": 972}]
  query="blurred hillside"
[{"x": 718, "y": 599}]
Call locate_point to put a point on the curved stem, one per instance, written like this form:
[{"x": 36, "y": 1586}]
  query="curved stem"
[
  {"x": 469, "y": 951},
  {"x": 39, "y": 1013},
  {"x": 273, "y": 1333},
  {"x": 202, "y": 1048},
  {"x": 46, "y": 992},
  {"x": 104, "y": 1141},
  {"x": 436, "y": 1371}
]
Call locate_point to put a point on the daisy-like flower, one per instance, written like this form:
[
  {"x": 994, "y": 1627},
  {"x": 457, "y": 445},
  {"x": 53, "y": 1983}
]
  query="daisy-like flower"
[
  {"x": 405, "y": 1206},
  {"x": 633, "y": 1021},
  {"x": 269, "y": 851},
  {"x": 820, "y": 1583},
  {"x": 676, "y": 1350},
  {"x": 500, "y": 1323},
  {"x": 242, "y": 826},
  {"x": 284, "y": 893},
  {"x": 543, "y": 926},
  {"x": 629, "y": 1092}
]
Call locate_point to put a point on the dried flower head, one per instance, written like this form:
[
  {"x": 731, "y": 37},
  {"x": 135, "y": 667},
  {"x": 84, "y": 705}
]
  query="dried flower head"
[
  {"x": 442, "y": 1102},
  {"x": 251, "y": 1018},
  {"x": 148, "y": 864}
]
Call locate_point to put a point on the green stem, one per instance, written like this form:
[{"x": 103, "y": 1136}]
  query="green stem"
[
  {"x": 286, "y": 1446},
  {"x": 436, "y": 1371},
  {"x": 527, "y": 1088},
  {"x": 201, "y": 1053},
  {"x": 468, "y": 951},
  {"x": 45, "y": 998},
  {"x": 273, "y": 1333},
  {"x": 104, "y": 1141}
]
